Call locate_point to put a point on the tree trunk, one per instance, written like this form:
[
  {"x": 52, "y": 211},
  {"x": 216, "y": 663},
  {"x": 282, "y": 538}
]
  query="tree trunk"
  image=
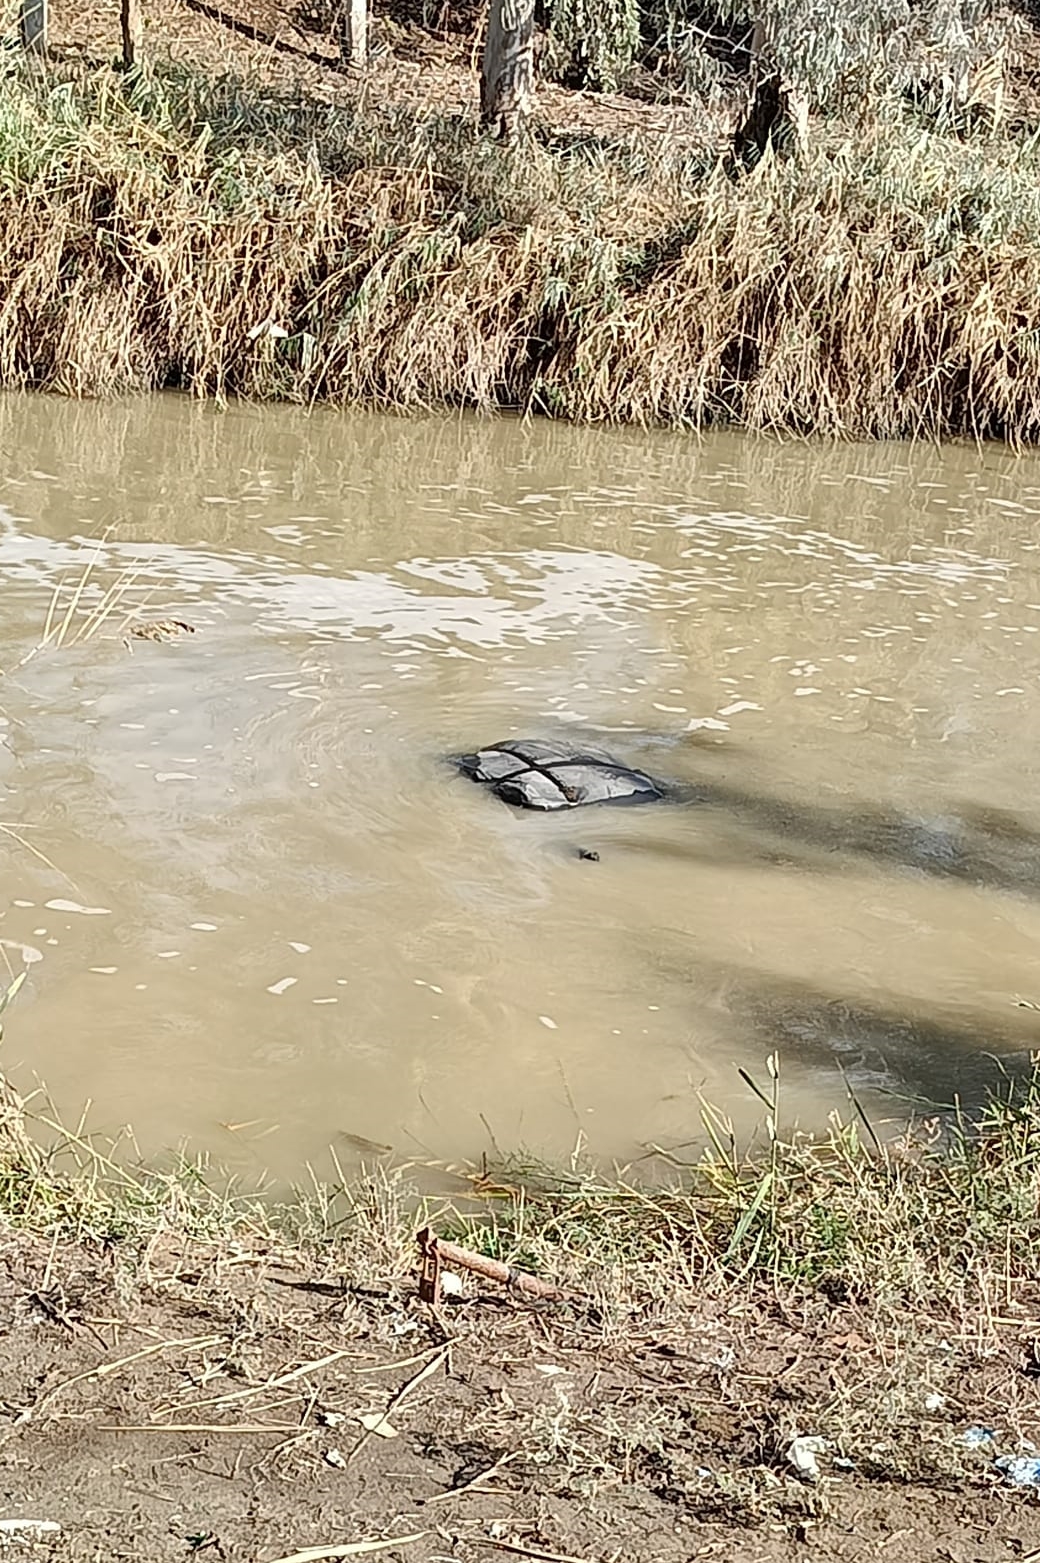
[
  {"x": 34, "y": 26},
  {"x": 507, "y": 76},
  {"x": 776, "y": 115},
  {"x": 130, "y": 18},
  {"x": 355, "y": 32}
]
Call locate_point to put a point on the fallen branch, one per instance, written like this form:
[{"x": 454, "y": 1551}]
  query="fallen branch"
[{"x": 437, "y": 1251}]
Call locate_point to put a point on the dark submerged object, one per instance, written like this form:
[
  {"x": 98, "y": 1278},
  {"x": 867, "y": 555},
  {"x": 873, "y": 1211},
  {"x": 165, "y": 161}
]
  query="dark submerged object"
[{"x": 536, "y": 774}]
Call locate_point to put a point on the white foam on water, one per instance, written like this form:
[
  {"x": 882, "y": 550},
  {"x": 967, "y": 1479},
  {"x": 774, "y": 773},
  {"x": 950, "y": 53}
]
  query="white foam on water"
[{"x": 29, "y": 954}]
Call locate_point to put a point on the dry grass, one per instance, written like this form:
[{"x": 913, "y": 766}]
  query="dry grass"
[
  {"x": 176, "y": 230},
  {"x": 944, "y": 1221}
]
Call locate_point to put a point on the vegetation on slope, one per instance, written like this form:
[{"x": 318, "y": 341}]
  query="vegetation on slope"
[{"x": 171, "y": 229}]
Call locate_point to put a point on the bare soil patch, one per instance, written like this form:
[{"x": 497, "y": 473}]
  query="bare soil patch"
[
  {"x": 222, "y": 1402},
  {"x": 417, "y": 69}
]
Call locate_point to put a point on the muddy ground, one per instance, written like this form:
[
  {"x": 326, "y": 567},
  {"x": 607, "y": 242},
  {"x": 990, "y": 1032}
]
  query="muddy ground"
[{"x": 223, "y": 1403}]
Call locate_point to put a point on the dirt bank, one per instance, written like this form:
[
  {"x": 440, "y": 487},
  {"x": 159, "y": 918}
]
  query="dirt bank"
[
  {"x": 208, "y": 1402},
  {"x": 417, "y": 69}
]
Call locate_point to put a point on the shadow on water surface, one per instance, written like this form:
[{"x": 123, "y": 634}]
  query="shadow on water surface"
[
  {"x": 920, "y": 1058},
  {"x": 453, "y": 542},
  {"x": 991, "y": 848}
]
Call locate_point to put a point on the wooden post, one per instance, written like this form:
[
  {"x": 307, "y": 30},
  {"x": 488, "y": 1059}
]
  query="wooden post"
[
  {"x": 507, "y": 76},
  {"x": 130, "y": 17},
  {"x": 34, "y": 26},
  {"x": 355, "y": 40}
]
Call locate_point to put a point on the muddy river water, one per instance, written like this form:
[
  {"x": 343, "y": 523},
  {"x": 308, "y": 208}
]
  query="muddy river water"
[{"x": 263, "y": 915}]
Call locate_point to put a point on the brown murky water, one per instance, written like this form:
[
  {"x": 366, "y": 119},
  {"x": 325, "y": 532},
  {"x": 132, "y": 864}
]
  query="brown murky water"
[{"x": 279, "y": 909}]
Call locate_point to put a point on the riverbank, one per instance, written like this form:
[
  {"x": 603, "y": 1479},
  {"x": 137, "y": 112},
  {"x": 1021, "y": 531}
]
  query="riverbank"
[
  {"x": 233, "y": 237},
  {"x": 190, "y": 1372}
]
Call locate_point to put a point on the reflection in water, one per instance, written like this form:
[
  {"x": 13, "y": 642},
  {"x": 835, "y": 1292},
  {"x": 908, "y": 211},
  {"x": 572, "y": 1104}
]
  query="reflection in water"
[
  {"x": 288, "y": 915},
  {"x": 982, "y": 846}
]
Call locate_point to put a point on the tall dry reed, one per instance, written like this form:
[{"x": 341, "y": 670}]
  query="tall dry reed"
[{"x": 174, "y": 230}]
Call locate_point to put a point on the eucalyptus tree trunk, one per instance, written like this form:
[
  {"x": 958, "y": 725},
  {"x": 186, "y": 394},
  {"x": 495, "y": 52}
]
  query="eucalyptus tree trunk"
[
  {"x": 355, "y": 32},
  {"x": 33, "y": 25},
  {"x": 507, "y": 75},
  {"x": 130, "y": 24},
  {"x": 777, "y": 115}
]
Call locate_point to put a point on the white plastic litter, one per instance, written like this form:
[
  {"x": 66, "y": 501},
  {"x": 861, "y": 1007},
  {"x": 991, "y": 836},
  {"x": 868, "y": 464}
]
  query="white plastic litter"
[
  {"x": 978, "y": 1437},
  {"x": 802, "y": 1454},
  {"x": 1021, "y": 1470}
]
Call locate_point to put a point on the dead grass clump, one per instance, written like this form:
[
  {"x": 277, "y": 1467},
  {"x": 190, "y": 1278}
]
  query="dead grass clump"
[{"x": 178, "y": 230}]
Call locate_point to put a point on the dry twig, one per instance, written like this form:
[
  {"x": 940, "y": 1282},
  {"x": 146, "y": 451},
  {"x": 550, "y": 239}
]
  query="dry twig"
[
  {"x": 350, "y": 1549},
  {"x": 396, "y": 1399}
]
